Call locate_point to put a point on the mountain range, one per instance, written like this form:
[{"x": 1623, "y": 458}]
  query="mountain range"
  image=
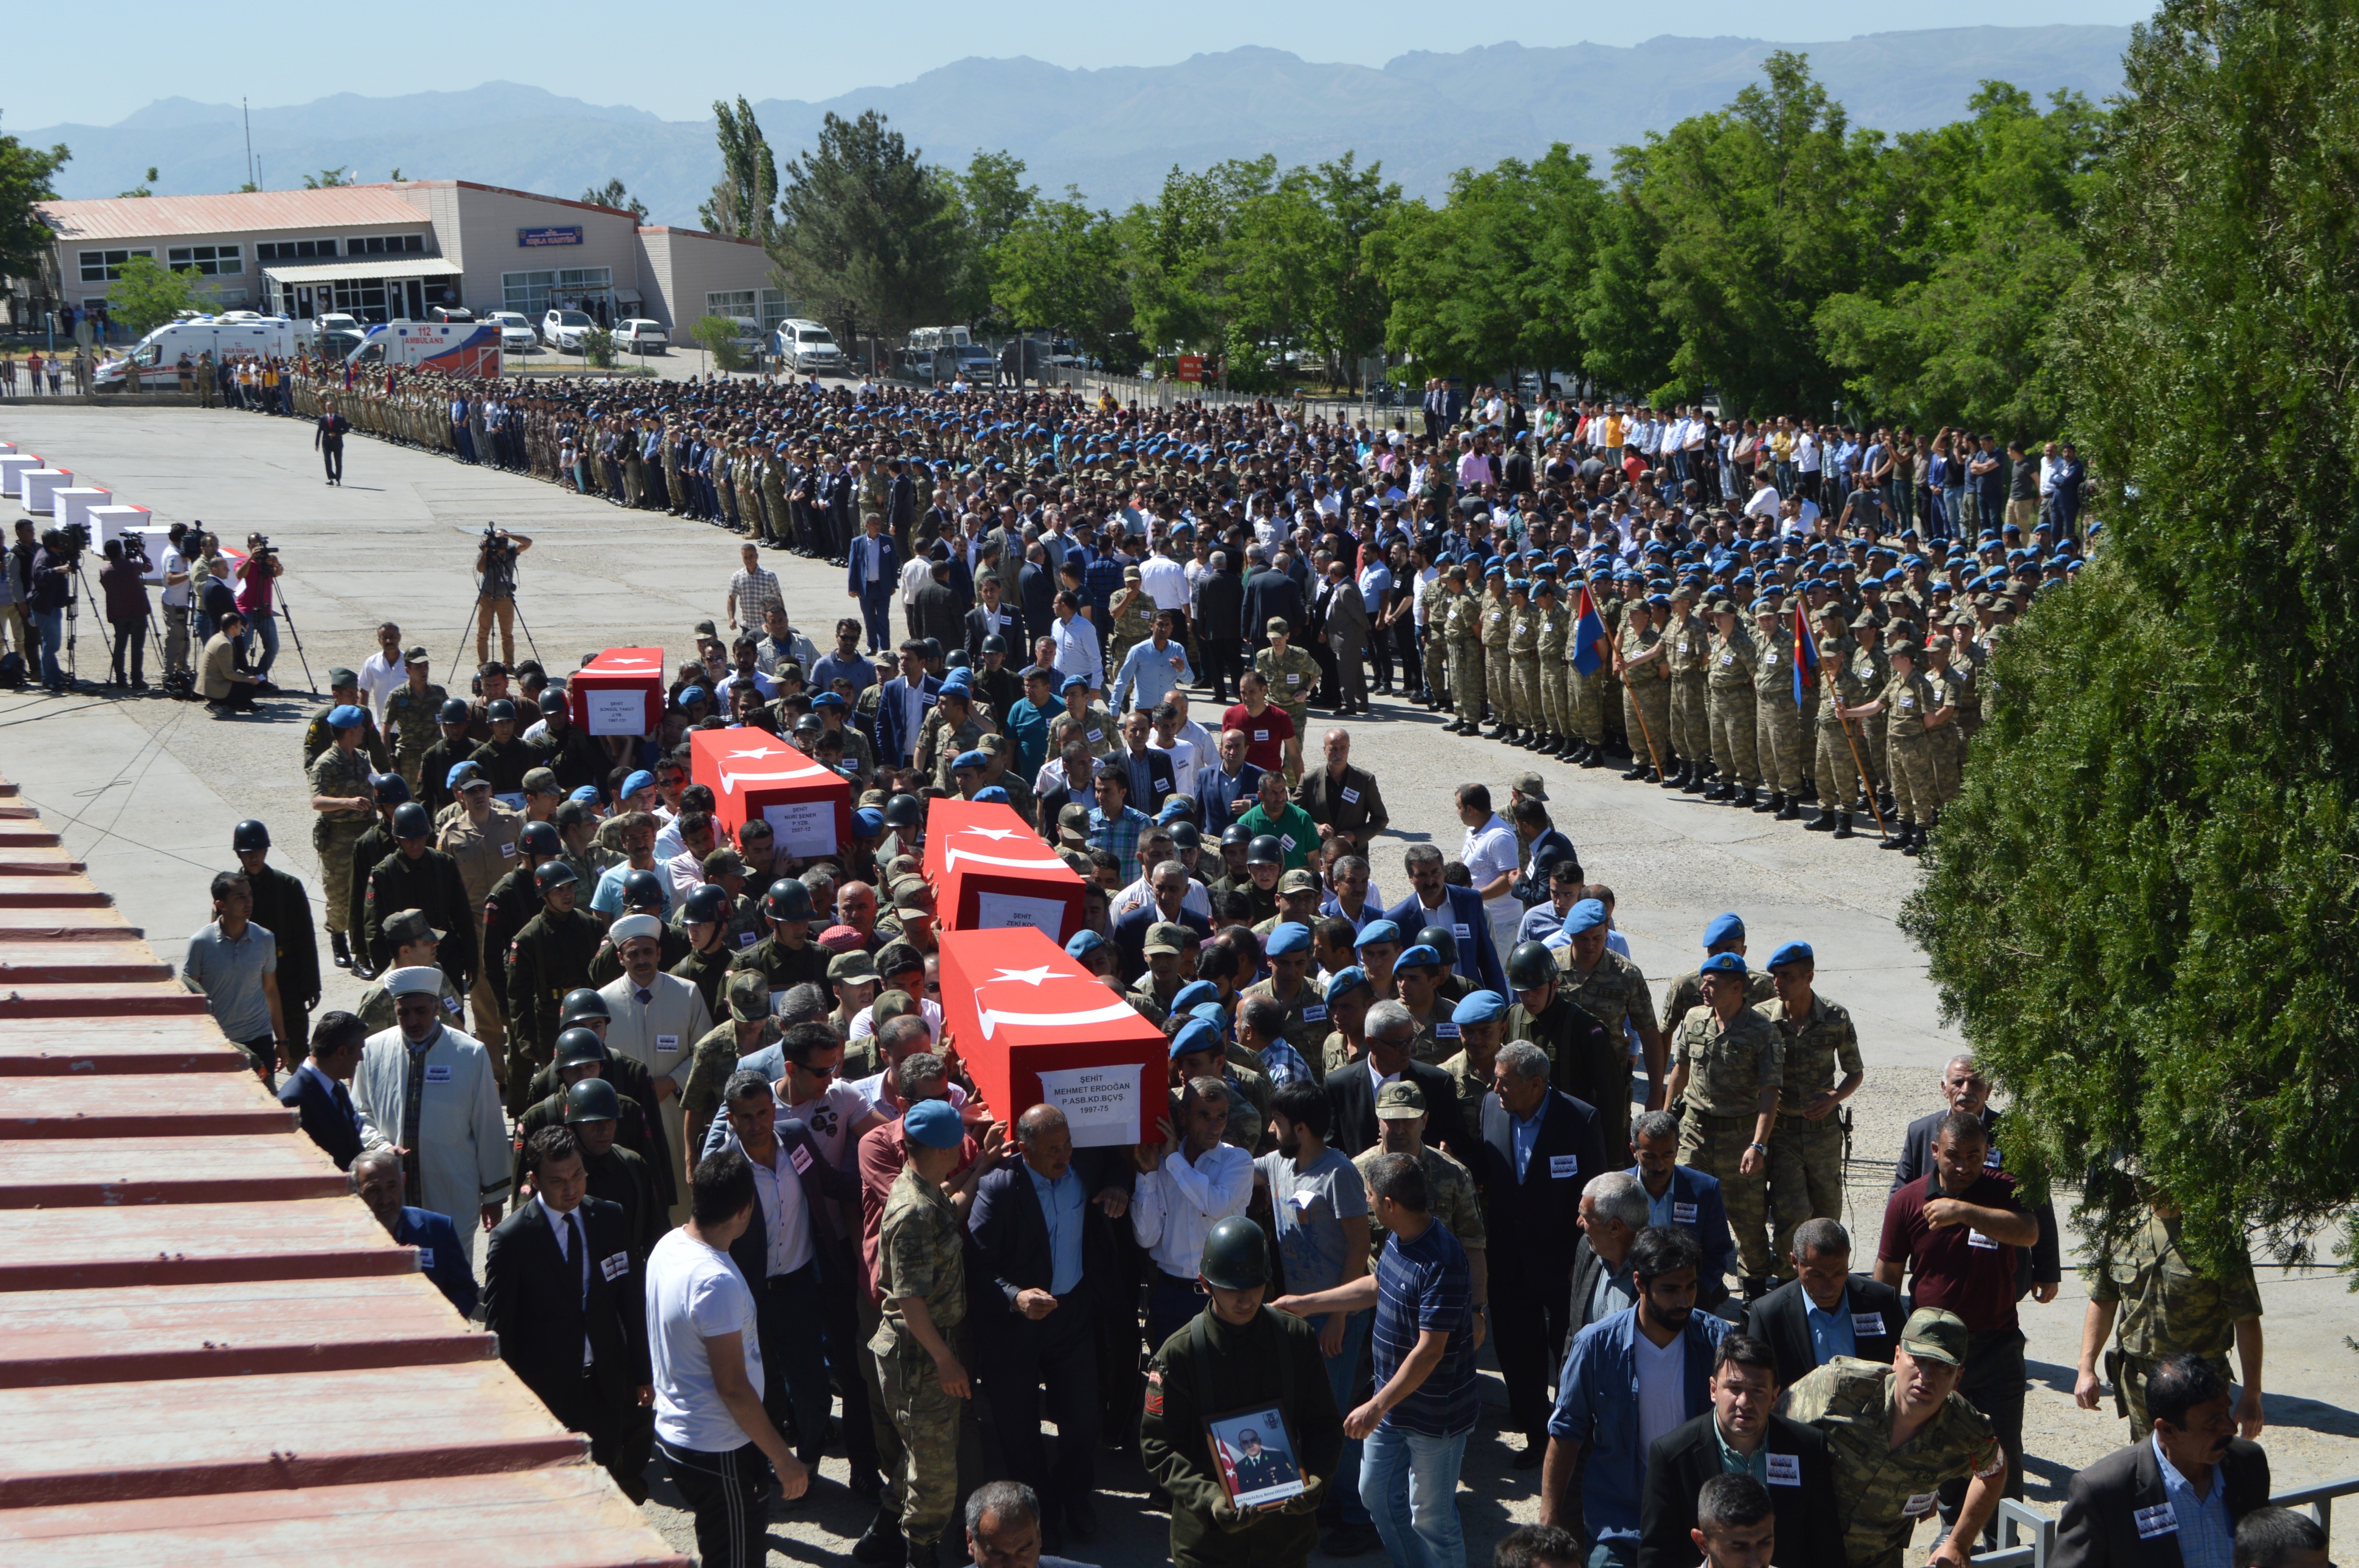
[{"x": 1112, "y": 132}]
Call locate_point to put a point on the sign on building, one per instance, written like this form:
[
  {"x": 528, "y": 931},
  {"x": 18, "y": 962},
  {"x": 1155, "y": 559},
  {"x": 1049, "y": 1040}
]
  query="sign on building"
[{"x": 534, "y": 239}]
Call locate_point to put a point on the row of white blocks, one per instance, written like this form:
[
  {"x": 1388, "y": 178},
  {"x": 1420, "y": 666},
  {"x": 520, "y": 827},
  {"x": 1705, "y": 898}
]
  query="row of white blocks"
[{"x": 46, "y": 492}]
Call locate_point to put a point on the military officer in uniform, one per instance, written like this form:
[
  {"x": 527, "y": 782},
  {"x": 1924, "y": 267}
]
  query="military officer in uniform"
[
  {"x": 704, "y": 917},
  {"x": 343, "y": 691},
  {"x": 1687, "y": 663},
  {"x": 282, "y": 908},
  {"x": 1840, "y": 752},
  {"x": 454, "y": 746},
  {"x": 1724, "y": 934},
  {"x": 480, "y": 836},
  {"x": 1524, "y": 662},
  {"x": 1585, "y": 1061},
  {"x": 1234, "y": 1354},
  {"x": 2168, "y": 1306},
  {"x": 748, "y": 1026},
  {"x": 1806, "y": 1150},
  {"x": 514, "y": 900},
  {"x": 1728, "y": 1063},
  {"x": 1555, "y": 692},
  {"x": 581, "y": 1059},
  {"x": 621, "y": 1175},
  {"x": 546, "y": 961},
  {"x": 920, "y": 1344},
  {"x": 392, "y": 793},
  {"x": 346, "y": 799},
  {"x": 1492, "y": 623},
  {"x": 1292, "y": 674},
  {"x": 415, "y": 945},
  {"x": 1613, "y": 990},
  {"x": 1778, "y": 723},
  {"x": 1728, "y": 682},
  {"x": 409, "y": 716},
  {"x": 1907, "y": 707}
]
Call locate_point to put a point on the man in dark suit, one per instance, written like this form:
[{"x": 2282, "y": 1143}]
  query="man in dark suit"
[
  {"x": 1135, "y": 934},
  {"x": 935, "y": 612},
  {"x": 873, "y": 572},
  {"x": 1040, "y": 1245},
  {"x": 2173, "y": 1499},
  {"x": 1826, "y": 1311},
  {"x": 1352, "y": 1090},
  {"x": 1227, "y": 787},
  {"x": 1344, "y": 800},
  {"x": 442, "y": 1253},
  {"x": 1152, "y": 777},
  {"x": 896, "y": 735},
  {"x": 1540, "y": 1147},
  {"x": 1543, "y": 844},
  {"x": 1273, "y": 593},
  {"x": 2038, "y": 1267},
  {"x": 1613, "y": 1212},
  {"x": 565, "y": 1297},
  {"x": 1220, "y": 627},
  {"x": 1794, "y": 1466},
  {"x": 1458, "y": 911},
  {"x": 316, "y": 1090},
  {"x": 994, "y": 615}
]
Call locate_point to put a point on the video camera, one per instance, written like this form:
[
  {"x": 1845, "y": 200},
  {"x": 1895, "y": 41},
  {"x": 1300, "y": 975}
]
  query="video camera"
[
  {"x": 497, "y": 543},
  {"x": 259, "y": 546}
]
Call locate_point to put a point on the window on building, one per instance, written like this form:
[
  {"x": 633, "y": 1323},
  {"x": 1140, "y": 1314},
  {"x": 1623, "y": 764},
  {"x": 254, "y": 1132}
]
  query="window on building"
[
  {"x": 105, "y": 266},
  {"x": 385, "y": 245},
  {"x": 534, "y": 293},
  {"x": 765, "y": 306},
  {"x": 211, "y": 260},
  {"x": 294, "y": 250}
]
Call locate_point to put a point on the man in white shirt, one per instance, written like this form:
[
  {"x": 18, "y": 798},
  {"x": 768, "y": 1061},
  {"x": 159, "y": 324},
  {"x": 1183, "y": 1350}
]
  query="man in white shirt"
[
  {"x": 1076, "y": 643},
  {"x": 656, "y": 1020},
  {"x": 383, "y": 673},
  {"x": 1764, "y": 504},
  {"x": 1189, "y": 742},
  {"x": 1492, "y": 856},
  {"x": 1184, "y": 1188}
]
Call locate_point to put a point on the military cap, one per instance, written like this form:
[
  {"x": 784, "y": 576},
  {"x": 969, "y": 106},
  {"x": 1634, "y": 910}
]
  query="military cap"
[
  {"x": 1084, "y": 943},
  {"x": 340, "y": 678},
  {"x": 1723, "y": 928},
  {"x": 1194, "y": 1036},
  {"x": 1529, "y": 785},
  {"x": 1792, "y": 953},
  {"x": 418, "y": 655},
  {"x": 1421, "y": 954},
  {"x": 934, "y": 1123},
  {"x": 1586, "y": 915},
  {"x": 1723, "y": 964},
  {"x": 1343, "y": 981},
  {"x": 577, "y": 1046},
  {"x": 1165, "y": 936},
  {"x": 1287, "y": 937},
  {"x": 1193, "y": 993},
  {"x": 1933, "y": 1335},
  {"x": 1297, "y": 880},
  {"x": 1376, "y": 931},
  {"x": 1479, "y": 1007},
  {"x": 591, "y": 1100},
  {"x": 405, "y": 926},
  {"x": 1400, "y": 1100},
  {"x": 344, "y": 716}
]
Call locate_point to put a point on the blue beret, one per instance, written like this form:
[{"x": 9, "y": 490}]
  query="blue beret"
[
  {"x": 1660, "y": 600},
  {"x": 868, "y": 823},
  {"x": 830, "y": 700},
  {"x": 344, "y": 716},
  {"x": 1083, "y": 942},
  {"x": 1481, "y": 1007},
  {"x": 1288, "y": 936},
  {"x": 1422, "y": 953},
  {"x": 1072, "y": 681},
  {"x": 1493, "y": 570},
  {"x": 934, "y": 1123},
  {"x": 1586, "y": 915},
  {"x": 636, "y": 782},
  {"x": 1214, "y": 1013},
  {"x": 969, "y": 760},
  {"x": 1341, "y": 982},
  {"x": 1792, "y": 953},
  {"x": 587, "y": 795},
  {"x": 993, "y": 794},
  {"x": 1722, "y": 928},
  {"x": 694, "y": 694},
  {"x": 1376, "y": 931},
  {"x": 1724, "y": 964},
  {"x": 1194, "y": 992},
  {"x": 1196, "y": 1035},
  {"x": 461, "y": 774}
]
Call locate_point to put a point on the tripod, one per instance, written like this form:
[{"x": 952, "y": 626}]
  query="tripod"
[
  {"x": 310, "y": 686},
  {"x": 98, "y": 609}
]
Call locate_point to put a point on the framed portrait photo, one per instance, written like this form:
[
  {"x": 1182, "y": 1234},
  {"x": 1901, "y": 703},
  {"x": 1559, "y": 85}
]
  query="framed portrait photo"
[{"x": 1254, "y": 1452}]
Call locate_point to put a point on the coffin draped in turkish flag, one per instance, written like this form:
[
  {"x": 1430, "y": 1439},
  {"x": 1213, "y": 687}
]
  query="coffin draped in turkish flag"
[
  {"x": 602, "y": 692},
  {"x": 1032, "y": 1025},
  {"x": 753, "y": 774},
  {"x": 990, "y": 872}
]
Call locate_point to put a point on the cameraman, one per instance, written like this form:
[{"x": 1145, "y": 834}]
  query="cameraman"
[
  {"x": 122, "y": 579},
  {"x": 256, "y": 578},
  {"x": 49, "y": 585},
  {"x": 496, "y": 559}
]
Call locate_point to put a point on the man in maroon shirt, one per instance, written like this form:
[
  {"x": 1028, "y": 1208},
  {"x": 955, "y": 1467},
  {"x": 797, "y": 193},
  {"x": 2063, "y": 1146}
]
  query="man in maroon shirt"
[
  {"x": 1955, "y": 1233},
  {"x": 1265, "y": 726}
]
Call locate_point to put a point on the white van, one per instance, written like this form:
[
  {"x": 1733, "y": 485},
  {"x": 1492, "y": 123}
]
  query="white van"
[
  {"x": 157, "y": 354},
  {"x": 808, "y": 347}
]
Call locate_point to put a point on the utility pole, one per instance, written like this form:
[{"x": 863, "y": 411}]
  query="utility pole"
[{"x": 252, "y": 173}]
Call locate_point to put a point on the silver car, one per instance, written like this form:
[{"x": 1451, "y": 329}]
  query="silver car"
[
  {"x": 640, "y": 336},
  {"x": 565, "y": 329}
]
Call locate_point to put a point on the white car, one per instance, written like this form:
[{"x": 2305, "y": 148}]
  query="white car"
[
  {"x": 338, "y": 321},
  {"x": 516, "y": 336},
  {"x": 565, "y": 329},
  {"x": 640, "y": 336},
  {"x": 807, "y": 347}
]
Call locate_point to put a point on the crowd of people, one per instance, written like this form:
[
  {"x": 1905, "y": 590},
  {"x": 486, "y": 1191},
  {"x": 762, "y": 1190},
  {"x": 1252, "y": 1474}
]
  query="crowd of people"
[{"x": 604, "y": 1028}]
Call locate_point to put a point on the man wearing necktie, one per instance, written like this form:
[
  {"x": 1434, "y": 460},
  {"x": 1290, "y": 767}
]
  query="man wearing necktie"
[
  {"x": 874, "y": 569},
  {"x": 316, "y": 1091}
]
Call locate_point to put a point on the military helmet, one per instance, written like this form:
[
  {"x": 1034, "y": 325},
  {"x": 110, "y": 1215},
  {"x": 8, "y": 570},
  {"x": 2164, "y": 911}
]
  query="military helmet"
[
  {"x": 390, "y": 789},
  {"x": 1531, "y": 965},
  {"x": 642, "y": 890},
  {"x": 249, "y": 836},
  {"x": 410, "y": 821},
  {"x": 552, "y": 875},
  {"x": 1236, "y": 1257},
  {"x": 709, "y": 902},
  {"x": 552, "y": 700},
  {"x": 454, "y": 711},
  {"x": 1236, "y": 833},
  {"x": 591, "y": 1100},
  {"x": 539, "y": 839},
  {"x": 575, "y": 1046},
  {"x": 1264, "y": 849},
  {"x": 789, "y": 900},
  {"x": 499, "y": 708},
  {"x": 1442, "y": 941},
  {"x": 581, "y": 1003},
  {"x": 903, "y": 811}
]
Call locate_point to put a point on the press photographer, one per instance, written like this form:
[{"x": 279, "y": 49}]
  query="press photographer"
[
  {"x": 496, "y": 559},
  {"x": 123, "y": 583},
  {"x": 48, "y": 594},
  {"x": 258, "y": 577}
]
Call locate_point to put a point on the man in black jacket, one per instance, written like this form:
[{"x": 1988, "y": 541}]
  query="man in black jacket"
[
  {"x": 1788, "y": 1457},
  {"x": 1352, "y": 1090},
  {"x": 563, "y": 1295},
  {"x": 315, "y": 1089},
  {"x": 2175, "y": 1497},
  {"x": 282, "y": 908},
  {"x": 1220, "y": 627},
  {"x": 1273, "y": 593},
  {"x": 1039, "y": 1247},
  {"x": 1826, "y": 1310},
  {"x": 934, "y": 611}
]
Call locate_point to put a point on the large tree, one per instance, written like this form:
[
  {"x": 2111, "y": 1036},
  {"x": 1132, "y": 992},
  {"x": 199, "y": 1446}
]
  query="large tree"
[
  {"x": 870, "y": 238},
  {"x": 2141, "y": 912},
  {"x": 28, "y": 175},
  {"x": 1060, "y": 267},
  {"x": 744, "y": 198}
]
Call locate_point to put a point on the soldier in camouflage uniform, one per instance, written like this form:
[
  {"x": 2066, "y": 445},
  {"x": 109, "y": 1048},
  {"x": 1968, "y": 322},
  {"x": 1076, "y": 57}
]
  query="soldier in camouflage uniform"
[
  {"x": 1872, "y": 666},
  {"x": 1690, "y": 706},
  {"x": 1822, "y": 1070},
  {"x": 1288, "y": 989},
  {"x": 747, "y": 1026},
  {"x": 1724, "y": 934},
  {"x": 1556, "y": 691},
  {"x": 1482, "y": 1027},
  {"x": 1907, "y": 704},
  {"x": 919, "y": 1346},
  {"x": 1645, "y": 687},
  {"x": 1494, "y": 617},
  {"x": 1727, "y": 1064},
  {"x": 1729, "y": 682},
  {"x": 1131, "y": 614},
  {"x": 1584, "y": 694},
  {"x": 1839, "y": 752},
  {"x": 1524, "y": 662},
  {"x": 1613, "y": 990},
  {"x": 1293, "y": 674},
  {"x": 1449, "y": 1192},
  {"x": 1082, "y": 720},
  {"x": 1778, "y": 723},
  {"x": 1466, "y": 669},
  {"x": 1883, "y": 1487},
  {"x": 2167, "y": 1306},
  {"x": 1947, "y": 749},
  {"x": 344, "y": 689},
  {"x": 346, "y": 801}
]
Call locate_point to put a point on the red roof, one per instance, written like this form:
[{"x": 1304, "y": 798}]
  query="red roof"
[{"x": 254, "y": 211}]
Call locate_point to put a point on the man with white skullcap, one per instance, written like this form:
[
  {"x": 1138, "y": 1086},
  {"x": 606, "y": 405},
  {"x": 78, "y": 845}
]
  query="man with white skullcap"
[
  {"x": 428, "y": 1093},
  {"x": 656, "y": 1020}
]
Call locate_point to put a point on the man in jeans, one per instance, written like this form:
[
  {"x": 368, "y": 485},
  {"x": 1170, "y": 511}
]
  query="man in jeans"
[
  {"x": 235, "y": 964},
  {"x": 1423, "y": 1343}
]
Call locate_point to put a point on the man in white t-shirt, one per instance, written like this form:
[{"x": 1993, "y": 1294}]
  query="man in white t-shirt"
[
  {"x": 1492, "y": 856},
  {"x": 704, "y": 1347}
]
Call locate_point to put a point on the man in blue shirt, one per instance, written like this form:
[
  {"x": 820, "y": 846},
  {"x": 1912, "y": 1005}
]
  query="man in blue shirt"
[
  {"x": 1114, "y": 824},
  {"x": 845, "y": 661},
  {"x": 1028, "y": 721},
  {"x": 1637, "y": 1376},
  {"x": 442, "y": 1254},
  {"x": 1426, "y": 1333},
  {"x": 1152, "y": 670}
]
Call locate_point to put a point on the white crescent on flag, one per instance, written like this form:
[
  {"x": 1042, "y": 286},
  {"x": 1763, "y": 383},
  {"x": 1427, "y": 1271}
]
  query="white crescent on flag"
[
  {"x": 1108, "y": 1014},
  {"x": 953, "y": 856}
]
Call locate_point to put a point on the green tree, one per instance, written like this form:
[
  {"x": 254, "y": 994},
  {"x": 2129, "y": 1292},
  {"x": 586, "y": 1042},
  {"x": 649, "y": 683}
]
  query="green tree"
[
  {"x": 610, "y": 194},
  {"x": 718, "y": 334},
  {"x": 327, "y": 179},
  {"x": 993, "y": 199},
  {"x": 1060, "y": 267},
  {"x": 745, "y": 196},
  {"x": 2140, "y": 910},
  {"x": 870, "y": 238},
  {"x": 28, "y": 175},
  {"x": 143, "y": 187},
  {"x": 146, "y": 294}
]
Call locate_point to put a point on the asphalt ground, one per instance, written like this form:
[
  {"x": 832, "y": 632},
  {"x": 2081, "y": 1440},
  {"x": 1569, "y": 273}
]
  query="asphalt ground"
[{"x": 145, "y": 789}]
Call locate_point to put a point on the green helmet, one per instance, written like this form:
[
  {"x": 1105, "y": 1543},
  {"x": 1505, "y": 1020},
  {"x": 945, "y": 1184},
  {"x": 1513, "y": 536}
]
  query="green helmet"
[
  {"x": 579, "y": 1003},
  {"x": 1236, "y": 1257},
  {"x": 1442, "y": 940},
  {"x": 1531, "y": 965},
  {"x": 591, "y": 1100}
]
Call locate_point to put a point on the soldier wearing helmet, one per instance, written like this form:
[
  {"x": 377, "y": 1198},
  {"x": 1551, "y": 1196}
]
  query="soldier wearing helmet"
[
  {"x": 282, "y": 908},
  {"x": 705, "y": 918},
  {"x": 643, "y": 893},
  {"x": 390, "y": 792},
  {"x": 787, "y": 956},
  {"x": 419, "y": 876},
  {"x": 547, "y": 958},
  {"x": 514, "y": 900}
]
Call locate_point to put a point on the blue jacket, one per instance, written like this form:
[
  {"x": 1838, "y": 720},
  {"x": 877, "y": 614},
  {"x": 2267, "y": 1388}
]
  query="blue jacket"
[
  {"x": 888, "y": 574},
  {"x": 892, "y": 746},
  {"x": 1217, "y": 793},
  {"x": 442, "y": 1255},
  {"x": 328, "y": 1118},
  {"x": 1696, "y": 1196},
  {"x": 1478, "y": 956},
  {"x": 1597, "y": 1404}
]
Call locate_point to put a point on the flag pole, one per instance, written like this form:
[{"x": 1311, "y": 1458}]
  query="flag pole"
[
  {"x": 1865, "y": 778},
  {"x": 1622, "y": 668}
]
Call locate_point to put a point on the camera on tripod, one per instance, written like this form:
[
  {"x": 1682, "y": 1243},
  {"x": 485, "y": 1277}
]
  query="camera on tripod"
[
  {"x": 497, "y": 543},
  {"x": 259, "y": 546},
  {"x": 77, "y": 539}
]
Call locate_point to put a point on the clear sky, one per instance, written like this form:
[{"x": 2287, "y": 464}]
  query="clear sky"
[{"x": 675, "y": 60}]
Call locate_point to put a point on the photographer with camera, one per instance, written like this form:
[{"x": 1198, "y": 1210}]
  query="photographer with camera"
[
  {"x": 179, "y": 589},
  {"x": 48, "y": 589},
  {"x": 257, "y": 580},
  {"x": 122, "y": 581},
  {"x": 226, "y": 685},
  {"x": 496, "y": 559}
]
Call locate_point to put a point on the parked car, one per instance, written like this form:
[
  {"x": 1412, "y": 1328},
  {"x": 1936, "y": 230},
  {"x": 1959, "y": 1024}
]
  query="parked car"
[
  {"x": 807, "y": 348},
  {"x": 638, "y": 335},
  {"x": 516, "y": 336},
  {"x": 564, "y": 330},
  {"x": 339, "y": 322},
  {"x": 449, "y": 313}
]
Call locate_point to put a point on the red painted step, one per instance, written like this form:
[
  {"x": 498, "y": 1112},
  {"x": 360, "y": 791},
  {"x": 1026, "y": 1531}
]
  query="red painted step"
[
  {"x": 163, "y": 1244},
  {"x": 111, "y": 1172}
]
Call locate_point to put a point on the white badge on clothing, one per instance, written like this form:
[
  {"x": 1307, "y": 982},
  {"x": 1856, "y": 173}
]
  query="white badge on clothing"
[
  {"x": 1461, "y": 931},
  {"x": 2160, "y": 1519},
  {"x": 1293, "y": 680},
  {"x": 1682, "y": 1213},
  {"x": 450, "y": 1005},
  {"x": 614, "y": 1265},
  {"x": 1785, "y": 1469},
  {"x": 800, "y": 1157},
  {"x": 1258, "y": 735},
  {"x": 1096, "y": 736},
  {"x": 1920, "y": 1504},
  {"x": 1287, "y": 841},
  {"x": 667, "y": 1042},
  {"x": 1445, "y": 1032},
  {"x": 424, "y": 1258},
  {"x": 1351, "y": 798},
  {"x": 1990, "y": 1157},
  {"x": 1314, "y": 1014},
  {"x": 747, "y": 939},
  {"x": 1868, "y": 1325},
  {"x": 1562, "y": 1167},
  {"x": 437, "y": 1072},
  {"x": 1981, "y": 1243},
  {"x": 507, "y": 852}
]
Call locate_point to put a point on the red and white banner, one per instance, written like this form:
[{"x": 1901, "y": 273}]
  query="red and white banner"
[
  {"x": 620, "y": 692},
  {"x": 991, "y": 871},
  {"x": 1033, "y": 1026}
]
